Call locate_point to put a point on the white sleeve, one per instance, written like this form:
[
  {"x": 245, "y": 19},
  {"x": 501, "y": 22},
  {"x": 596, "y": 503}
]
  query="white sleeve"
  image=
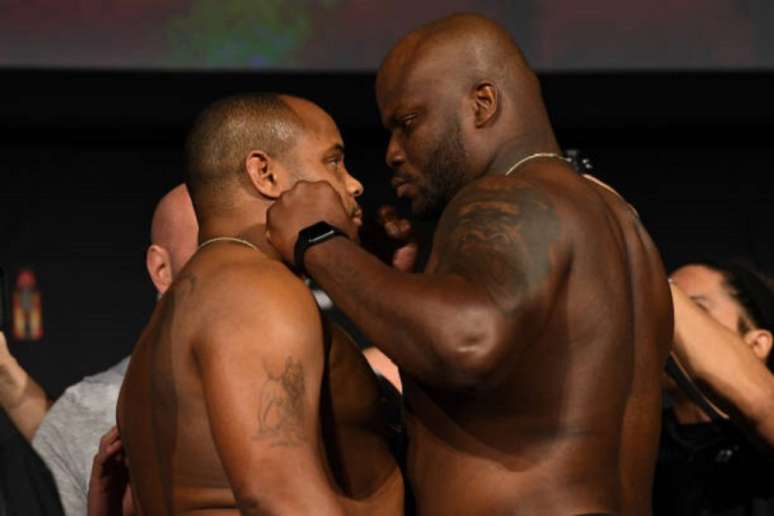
[{"x": 53, "y": 446}]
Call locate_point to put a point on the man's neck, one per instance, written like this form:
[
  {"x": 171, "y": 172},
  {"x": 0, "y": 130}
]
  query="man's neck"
[
  {"x": 518, "y": 148},
  {"x": 254, "y": 234}
]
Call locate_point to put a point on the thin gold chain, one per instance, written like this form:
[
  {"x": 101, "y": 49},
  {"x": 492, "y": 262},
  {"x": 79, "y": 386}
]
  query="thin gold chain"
[
  {"x": 228, "y": 239},
  {"x": 549, "y": 155}
]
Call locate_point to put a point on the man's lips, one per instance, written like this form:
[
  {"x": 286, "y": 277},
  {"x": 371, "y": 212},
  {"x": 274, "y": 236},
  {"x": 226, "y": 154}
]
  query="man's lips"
[
  {"x": 357, "y": 217},
  {"x": 401, "y": 185},
  {"x": 396, "y": 181},
  {"x": 404, "y": 189}
]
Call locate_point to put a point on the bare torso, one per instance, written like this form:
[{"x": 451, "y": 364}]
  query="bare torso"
[
  {"x": 163, "y": 418},
  {"x": 570, "y": 425}
]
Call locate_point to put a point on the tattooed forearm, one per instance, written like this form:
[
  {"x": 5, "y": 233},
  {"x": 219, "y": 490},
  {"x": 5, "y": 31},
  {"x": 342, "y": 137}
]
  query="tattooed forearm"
[
  {"x": 500, "y": 235},
  {"x": 281, "y": 411}
]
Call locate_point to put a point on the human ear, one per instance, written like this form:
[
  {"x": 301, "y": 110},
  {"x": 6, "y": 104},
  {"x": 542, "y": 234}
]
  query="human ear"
[
  {"x": 760, "y": 341},
  {"x": 159, "y": 265},
  {"x": 263, "y": 173},
  {"x": 486, "y": 103}
]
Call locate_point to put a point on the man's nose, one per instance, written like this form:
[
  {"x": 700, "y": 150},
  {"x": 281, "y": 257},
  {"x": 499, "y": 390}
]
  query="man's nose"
[
  {"x": 394, "y": 156},
  {"x": 354, "y": 187}
]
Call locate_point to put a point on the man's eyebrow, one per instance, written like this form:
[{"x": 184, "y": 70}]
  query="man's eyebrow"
[{"x": 337, "y": 148}]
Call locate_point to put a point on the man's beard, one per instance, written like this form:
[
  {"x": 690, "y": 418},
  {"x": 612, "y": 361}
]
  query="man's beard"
[{"x": 445, "y": 173}]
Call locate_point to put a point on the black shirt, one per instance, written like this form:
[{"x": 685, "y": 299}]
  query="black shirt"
[{"x": 710, "y": 469}]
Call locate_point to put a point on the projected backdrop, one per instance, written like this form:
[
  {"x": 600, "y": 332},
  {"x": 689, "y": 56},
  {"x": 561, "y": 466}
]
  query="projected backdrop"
[{"x": 354, "y": 34}]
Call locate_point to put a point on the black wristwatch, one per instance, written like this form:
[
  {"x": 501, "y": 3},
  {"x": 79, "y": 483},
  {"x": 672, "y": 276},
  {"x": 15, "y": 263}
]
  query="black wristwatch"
[{"x": 313, "y": 235}]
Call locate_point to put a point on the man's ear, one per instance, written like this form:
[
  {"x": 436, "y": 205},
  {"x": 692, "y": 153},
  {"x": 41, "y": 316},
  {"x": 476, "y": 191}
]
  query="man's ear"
[
  {"x": 159, "y": 265},
  {"x": 760, "y": 341},
  {"x": 486, "y": 103},
  {"x": 262, "y": 171}
]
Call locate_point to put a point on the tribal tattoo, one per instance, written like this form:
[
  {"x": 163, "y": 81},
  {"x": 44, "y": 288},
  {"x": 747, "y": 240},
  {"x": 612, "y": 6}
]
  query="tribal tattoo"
[
  {"x": 281, "y": 412},
  {"x": 499, "y": 233}
]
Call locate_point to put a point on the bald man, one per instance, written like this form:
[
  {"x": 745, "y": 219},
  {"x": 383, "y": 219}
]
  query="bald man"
[
  {"x": 69, "y": 435},
  {"x": 531, "y": 349},
  {"x": 174, "y": 231},
  {"x": 238, "y": 398}
]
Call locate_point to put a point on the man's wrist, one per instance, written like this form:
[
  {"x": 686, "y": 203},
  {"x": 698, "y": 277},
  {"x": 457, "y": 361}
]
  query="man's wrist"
[
  {"x": 311, "y": 237},
  {"x": 316, "y": 252}
]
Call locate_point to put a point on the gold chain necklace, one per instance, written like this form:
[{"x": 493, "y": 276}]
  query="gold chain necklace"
[
  {"x": 228, "y": 239},
  {"x": 549, "y": 155}
]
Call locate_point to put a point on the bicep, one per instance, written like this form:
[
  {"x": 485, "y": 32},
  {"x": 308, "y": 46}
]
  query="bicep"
[{"x": 261, "y": 385}]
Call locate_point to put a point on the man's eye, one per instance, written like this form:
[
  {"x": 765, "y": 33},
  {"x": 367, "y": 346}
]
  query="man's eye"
[{"x": 407, "y": 123}]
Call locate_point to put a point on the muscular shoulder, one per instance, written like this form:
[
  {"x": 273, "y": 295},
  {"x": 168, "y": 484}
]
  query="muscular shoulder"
[
  {"x": 497, "y": 202},
  {"x": 255, "y": 295},
  {"x": 506, "y": 234},
  {"x": 500, "y": 216}
]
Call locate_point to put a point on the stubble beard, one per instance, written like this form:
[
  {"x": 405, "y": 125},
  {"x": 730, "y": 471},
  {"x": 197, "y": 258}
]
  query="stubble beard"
[{"x": 445, "y": 172}]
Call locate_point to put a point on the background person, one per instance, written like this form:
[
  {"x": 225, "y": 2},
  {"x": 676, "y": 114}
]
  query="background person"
[
  {"x": 69, "y": 435},
  {"x": 718, "y": 459}
]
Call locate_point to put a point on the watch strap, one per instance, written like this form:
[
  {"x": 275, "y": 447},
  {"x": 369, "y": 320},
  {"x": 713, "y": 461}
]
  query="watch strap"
[{"x": 312, "y": 235}]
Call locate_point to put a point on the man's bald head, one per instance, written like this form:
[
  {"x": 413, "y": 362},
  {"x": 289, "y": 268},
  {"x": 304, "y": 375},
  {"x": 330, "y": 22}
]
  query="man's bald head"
[
  {"x": 222, "y": 137},
  {"x": 174, "y": 234},
  {"x": 462, "y": 49},
  {"x": 459, "y": 100}
]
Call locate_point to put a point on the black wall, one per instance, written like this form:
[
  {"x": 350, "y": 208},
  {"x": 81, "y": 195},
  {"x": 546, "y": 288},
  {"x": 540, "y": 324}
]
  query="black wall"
[{"x": 84, "y": 156}]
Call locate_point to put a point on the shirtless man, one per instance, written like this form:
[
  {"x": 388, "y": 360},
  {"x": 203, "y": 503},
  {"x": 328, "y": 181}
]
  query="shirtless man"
[
  {"x": 532, "y": 347},
  {"x": 237, "y": 398}
]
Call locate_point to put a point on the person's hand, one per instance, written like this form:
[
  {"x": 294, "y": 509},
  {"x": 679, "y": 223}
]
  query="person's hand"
[
  {"x": 300, "y": 207},
  {"x": 12, "y": 377},
  {"x": 109, "y": 490},
  {"x": 5, "y": 354},
  {"x": 405, "y": 256}
]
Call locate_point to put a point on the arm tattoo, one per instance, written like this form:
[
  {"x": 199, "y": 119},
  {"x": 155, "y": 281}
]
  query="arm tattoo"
[
  {"x": 499, "y": 234},
  {"x": 281, "y": 411}
]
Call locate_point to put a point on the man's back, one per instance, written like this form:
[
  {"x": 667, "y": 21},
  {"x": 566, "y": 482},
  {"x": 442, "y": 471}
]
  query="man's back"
[
  {"x": 567, "y": 421},
  {"x": 162, "y": 413},
  {"x": 222, "y": 397}
]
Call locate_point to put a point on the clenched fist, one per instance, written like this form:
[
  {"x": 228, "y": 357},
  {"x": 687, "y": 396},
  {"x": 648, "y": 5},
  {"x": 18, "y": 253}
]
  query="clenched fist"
[{"x": 306, "y": 204}]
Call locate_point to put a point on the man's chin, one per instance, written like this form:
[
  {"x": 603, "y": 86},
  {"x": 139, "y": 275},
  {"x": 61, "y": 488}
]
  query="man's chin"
[{"x": 423, "y": 210}]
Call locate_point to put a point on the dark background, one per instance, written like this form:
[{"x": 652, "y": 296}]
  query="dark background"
[{"x": 84, "y": 157}]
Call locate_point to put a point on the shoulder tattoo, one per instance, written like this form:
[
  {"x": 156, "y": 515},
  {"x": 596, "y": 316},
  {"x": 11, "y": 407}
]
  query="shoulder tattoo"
[
  {"x": 281, "y": 411},
  {"x": 500, "y": 234}
]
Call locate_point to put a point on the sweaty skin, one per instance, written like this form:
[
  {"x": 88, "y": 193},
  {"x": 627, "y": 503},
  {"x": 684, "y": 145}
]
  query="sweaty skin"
[
  {"x": 239, "y": 398},
  {"x": 531, "y": 349}
]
